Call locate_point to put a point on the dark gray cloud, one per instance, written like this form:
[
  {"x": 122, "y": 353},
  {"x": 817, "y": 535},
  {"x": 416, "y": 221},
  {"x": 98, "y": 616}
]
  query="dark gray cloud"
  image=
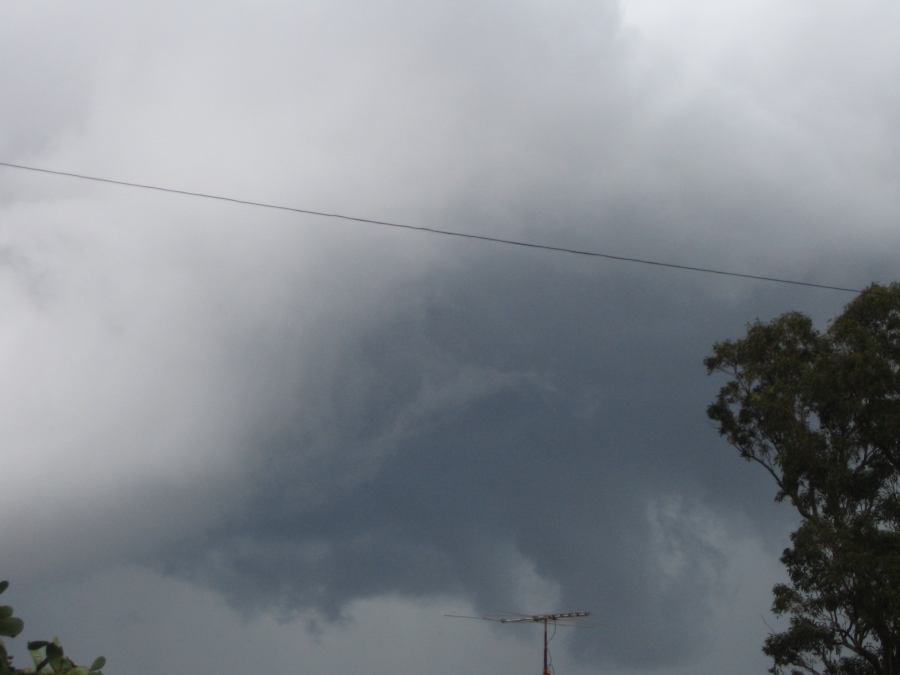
[{"x": 528, "y": 407}]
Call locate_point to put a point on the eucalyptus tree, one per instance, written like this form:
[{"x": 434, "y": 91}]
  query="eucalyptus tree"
[{"x": 820, "y": 412}]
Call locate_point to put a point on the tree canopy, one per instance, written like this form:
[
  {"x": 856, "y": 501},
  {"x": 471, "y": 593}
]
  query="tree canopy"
[{"x": 820, "y": 412}]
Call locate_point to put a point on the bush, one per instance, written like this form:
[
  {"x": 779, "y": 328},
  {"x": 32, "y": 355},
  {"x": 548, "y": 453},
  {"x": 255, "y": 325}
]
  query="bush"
[{"x": 48, "y": 657}]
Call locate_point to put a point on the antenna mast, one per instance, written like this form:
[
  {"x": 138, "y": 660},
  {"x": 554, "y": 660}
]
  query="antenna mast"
[{"x": 545, "y": 619}]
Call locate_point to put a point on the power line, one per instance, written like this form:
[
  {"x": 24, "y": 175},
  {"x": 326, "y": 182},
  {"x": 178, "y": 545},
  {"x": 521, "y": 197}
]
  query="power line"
[{"x": 433, "y": 230}]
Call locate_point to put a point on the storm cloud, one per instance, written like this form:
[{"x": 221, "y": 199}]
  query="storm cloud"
[{"x": 308, "y": 425}]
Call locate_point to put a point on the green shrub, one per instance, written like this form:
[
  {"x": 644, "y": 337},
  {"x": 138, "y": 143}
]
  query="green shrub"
[{"x": 48, "y": 657}]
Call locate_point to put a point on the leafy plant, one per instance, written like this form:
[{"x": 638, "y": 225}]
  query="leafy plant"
[
  {"x": 820, "y": 412},
  {"x": 10, "y": 626},
  {"x": 49, "y": 657}
]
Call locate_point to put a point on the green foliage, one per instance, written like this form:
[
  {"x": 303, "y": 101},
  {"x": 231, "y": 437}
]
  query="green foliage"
[
  {"x": 48, "y": 657},
  {"x": 10, "y": 626},
  {"x": 820, "y": 412}
]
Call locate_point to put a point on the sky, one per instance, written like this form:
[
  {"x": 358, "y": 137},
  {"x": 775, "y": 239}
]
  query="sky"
[{"x": 238, "y": 440}]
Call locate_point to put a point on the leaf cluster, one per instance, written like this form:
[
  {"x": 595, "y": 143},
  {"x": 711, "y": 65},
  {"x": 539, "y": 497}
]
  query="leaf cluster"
[
  {"x": 49, "y": 657},
  {"x": 820, "y": 412}
]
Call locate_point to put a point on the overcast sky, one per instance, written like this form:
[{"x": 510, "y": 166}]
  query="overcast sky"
[{"x": 239, "y": 440}]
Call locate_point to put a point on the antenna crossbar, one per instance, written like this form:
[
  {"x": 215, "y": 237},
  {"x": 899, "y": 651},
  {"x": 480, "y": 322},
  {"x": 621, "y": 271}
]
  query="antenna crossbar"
[
  {"x": 540, "y": 618},
  {"x": 545, "y": 619}
]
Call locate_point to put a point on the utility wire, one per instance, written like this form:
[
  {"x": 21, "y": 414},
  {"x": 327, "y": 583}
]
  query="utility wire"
[{"x": 433, "y": 230}]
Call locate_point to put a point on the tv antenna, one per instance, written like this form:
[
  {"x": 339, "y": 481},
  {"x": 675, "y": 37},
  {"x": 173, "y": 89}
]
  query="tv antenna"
[{"x": 557, "y": 619}]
